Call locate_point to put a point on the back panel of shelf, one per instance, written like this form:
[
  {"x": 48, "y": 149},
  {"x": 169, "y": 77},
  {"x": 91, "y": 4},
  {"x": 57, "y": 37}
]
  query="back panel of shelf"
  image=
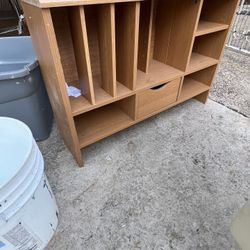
[
  {"x": 166, "y": 35},
  {"x": 197, "y": 83},
  {"x": 104, "y": 121},
  {"x": 221, "y": 11}
]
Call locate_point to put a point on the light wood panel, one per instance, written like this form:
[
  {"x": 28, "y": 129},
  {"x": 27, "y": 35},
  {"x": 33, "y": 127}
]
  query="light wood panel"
[
  {"x": 106, "y": 29},
  {"x": 219, "y": 11},
  {"x": 176, "y": 23},
  {"x": 191, "y": 88},
  {"x": 80, "y": 40},
  {"x": 44, "y": 40},
  {"x": 81, "y": 105},
  {"x": 198, "y": 62},
  {"x": 205, "y": 76},
  {"x": 60, "y": 3},
  {"x": 102, "y": 49},
  {"x": 210, "y": 45},
  {"x": 158, "y": 73},
  {"x": 163, "y": 25},
  {"x": 65, "y": 45},
  {"x": 145, "y": 34},
  {"x": 154, "y": 99},
  {"x": 127, "y": 35},
  {"x": 205, "y": 27},
  {"x": 129, "y": 106},
  {"x": 100, "y": 123}
]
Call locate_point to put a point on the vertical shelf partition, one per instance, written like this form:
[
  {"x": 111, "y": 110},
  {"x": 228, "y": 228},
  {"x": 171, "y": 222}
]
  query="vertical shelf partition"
[
  {"x": 101, "y": 49},
  {"x": 131, "y": 59},
  {"x": 166, "y": 34},
  {"x": 127, "y": 28}
]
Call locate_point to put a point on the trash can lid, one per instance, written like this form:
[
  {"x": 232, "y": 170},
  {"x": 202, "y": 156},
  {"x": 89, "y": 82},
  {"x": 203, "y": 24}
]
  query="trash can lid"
[
  {"x": 18, "y": 57},
  {"x": 15, "y": 147}
]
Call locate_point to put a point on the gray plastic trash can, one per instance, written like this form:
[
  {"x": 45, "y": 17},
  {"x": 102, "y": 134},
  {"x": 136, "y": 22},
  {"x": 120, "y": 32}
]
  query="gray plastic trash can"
[{"x": 22, "y": 92}]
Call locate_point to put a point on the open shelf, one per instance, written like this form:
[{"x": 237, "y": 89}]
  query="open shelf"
[
  {"x": 102, "y": 122},
  {"x": 198, "y": 62},
  {"x": 191, "y": 88},
  {"x": 164, "y": 43},
  {"x": 210, "y": 45},
  {"x": 205, "y": 27},
  {"x": 158, "y": 73},
  {"x": 197, "y": 83},
  {"x": 218, "y": 11},
  {"x": 81, "y": 105}
]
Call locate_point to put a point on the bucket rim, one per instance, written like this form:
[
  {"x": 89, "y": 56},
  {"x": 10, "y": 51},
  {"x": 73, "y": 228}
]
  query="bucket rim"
[{"x": 29, "y": 133}]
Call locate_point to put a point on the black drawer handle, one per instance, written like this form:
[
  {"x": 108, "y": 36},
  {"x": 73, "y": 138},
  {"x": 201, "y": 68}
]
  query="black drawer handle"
[{"x": 159, "y": 86}]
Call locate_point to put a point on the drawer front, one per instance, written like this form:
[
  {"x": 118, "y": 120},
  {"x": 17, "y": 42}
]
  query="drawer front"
[{"x": 152, "y": 100}]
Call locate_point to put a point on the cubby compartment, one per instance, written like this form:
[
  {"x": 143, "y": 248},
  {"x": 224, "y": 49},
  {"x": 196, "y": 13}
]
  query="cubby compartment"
[
  {"x": 152, "y": 100},
  {"x": 207, "y": 50},
  {"x": 216, "y": 15},
  {"x": 99, "y": 123},
  {"x": 166, "y": 35},
  {"x": 197, "y": 83},
  {"x": 100, "y": 35},
  {"x": 127, "y": 28},
  {"x": 71, "y": 36}
]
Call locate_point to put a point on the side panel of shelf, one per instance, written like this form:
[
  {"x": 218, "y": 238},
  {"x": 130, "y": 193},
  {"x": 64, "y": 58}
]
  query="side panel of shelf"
[
  {"x": 80, "y": 40},
  {"x": 145, "y": 34},
  {"x": 43, "y": 35},
  {"x": 127, "y": 33}
]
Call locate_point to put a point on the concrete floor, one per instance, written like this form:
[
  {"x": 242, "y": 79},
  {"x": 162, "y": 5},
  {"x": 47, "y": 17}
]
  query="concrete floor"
[
  {"x": 232, "y": 83},
  {"x": 174, "y": 181}
]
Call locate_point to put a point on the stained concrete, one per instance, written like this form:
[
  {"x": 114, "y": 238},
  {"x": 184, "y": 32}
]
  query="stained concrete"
[
  {"x": 171, "y": 182},
  {"x": 174, "y": 181},
  {"x": 232, "y": 83}
]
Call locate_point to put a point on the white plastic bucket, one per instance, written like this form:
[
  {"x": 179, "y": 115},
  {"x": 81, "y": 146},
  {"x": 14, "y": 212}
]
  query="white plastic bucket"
[{"x": 28, "y": 210}]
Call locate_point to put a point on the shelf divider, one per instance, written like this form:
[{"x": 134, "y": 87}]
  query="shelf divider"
[
  {"x": 145, "y": 34},
  {"x": 127, "y": 34},
  {"x": 106, "y": 26},
  {"x": 81, "y": 48}
]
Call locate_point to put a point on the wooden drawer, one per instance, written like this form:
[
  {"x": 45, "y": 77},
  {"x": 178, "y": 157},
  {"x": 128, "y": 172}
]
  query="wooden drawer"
[{"x": 152, "y": 100}]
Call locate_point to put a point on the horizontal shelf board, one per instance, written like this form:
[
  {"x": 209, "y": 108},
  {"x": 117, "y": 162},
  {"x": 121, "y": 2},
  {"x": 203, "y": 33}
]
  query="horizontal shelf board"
[
  {"x": 205, "y": 27},
  {"x": 199, "y": 62},
  {"x": 61, "y": 3},
  {"x": 158, "y": 73},
  {"x": 191, "y": 88},
  {"x": 81, "y": 105},
  {"x": 100, "y": 123}
]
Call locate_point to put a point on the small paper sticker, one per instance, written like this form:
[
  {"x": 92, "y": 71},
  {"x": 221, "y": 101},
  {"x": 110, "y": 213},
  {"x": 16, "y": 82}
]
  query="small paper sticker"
[
  {"x": 22, "y": 238},
  {"x": 73, "y": 91}
]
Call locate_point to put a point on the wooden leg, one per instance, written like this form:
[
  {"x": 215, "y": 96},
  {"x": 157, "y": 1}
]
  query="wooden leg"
[{"x": 202, "y": 97}]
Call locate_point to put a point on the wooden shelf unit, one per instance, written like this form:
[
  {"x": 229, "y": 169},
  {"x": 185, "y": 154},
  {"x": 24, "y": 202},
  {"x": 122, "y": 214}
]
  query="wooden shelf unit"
[{"x": 131, "y": 59}]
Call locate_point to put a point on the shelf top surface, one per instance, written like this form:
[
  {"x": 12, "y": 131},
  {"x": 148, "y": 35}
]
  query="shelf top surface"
[{"x": 61, "y": 3}]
